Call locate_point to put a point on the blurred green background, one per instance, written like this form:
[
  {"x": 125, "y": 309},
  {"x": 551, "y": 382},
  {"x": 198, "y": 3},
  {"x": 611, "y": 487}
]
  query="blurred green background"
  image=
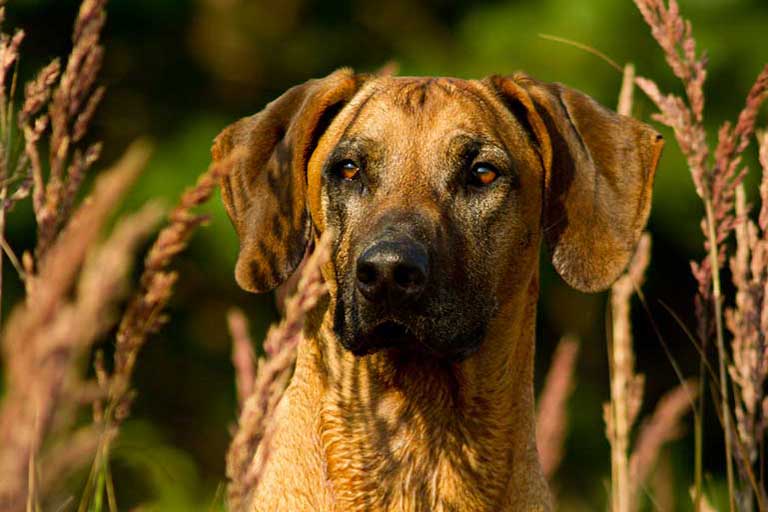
[{"x": 181, "y": 70}]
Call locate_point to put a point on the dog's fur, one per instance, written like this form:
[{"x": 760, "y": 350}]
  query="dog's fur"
[{"x": 441, "y": 416}]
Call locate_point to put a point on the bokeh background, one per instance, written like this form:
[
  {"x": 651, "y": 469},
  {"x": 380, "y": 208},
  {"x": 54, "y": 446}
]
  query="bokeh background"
[{"x": 180, "y": 70}]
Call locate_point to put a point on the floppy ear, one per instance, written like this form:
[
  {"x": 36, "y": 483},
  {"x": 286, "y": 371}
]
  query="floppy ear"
[
  {"x": 265, "y": 193},
  {"x": 598, "y": 177}
]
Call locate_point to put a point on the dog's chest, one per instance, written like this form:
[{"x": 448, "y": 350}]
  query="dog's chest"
[{"x": 389, "y": 453}]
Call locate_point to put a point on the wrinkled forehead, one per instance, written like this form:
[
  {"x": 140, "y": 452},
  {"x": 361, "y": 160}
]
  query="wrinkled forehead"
[{"x": 429, "y": 107}]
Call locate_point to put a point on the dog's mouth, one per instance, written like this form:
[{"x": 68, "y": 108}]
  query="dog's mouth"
[
  {"x": 384, "y": 335},
  {"x": 392, "y": 331},
  {"x": 455, "y": 334}
]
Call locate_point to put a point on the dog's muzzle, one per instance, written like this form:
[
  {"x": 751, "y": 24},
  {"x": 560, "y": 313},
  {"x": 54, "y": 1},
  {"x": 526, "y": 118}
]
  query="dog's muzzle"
[
  {"x": 389, "y": 284},
  {"x": 400, "y": 296}
]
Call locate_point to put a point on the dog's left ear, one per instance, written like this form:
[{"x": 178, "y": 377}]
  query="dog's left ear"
[
  {"x": 598, "y": 177},
  {"x": 265, "y": 192}
]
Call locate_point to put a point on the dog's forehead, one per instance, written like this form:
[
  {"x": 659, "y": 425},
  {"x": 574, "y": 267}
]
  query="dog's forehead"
[
  {"x": 424, "y": 103},
  {"x": 415, "y": 92}
]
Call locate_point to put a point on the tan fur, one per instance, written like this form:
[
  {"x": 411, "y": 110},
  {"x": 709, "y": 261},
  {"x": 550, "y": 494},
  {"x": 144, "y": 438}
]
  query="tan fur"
[{"x": 394, "y": 431}]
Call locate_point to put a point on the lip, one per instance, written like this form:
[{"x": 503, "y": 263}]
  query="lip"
[
  {"x": 390, "y": 330},
  {"x": 386, "y": 334},
  {"x": 396, "y": 336},
  {"x": 390, "y": 333},
  {"x": 365, "y": 329}
]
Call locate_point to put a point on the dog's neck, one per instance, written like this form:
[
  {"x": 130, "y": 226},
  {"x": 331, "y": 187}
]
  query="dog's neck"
[{"x": 404, "y": 432}]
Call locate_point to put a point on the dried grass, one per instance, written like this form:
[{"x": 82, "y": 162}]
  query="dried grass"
[
  {"x": 716, "y": 181},
  {"x": 143, "y": 316},
  {"x": 74, "y": 284},
  {"x": 71, "y": 109},
  {"x": 626, "y": 386},
  {"x": 663, "y": 426},
  {"x": 629, "y": 473},
  {"x": 552, "y": 414},
  {"x": 243, "y": 357},
  {"x": 250, "y": 447},
  {"x": 748, "y": 323},
  {"x": 144, "y": 313},
  {"x": 49, "y": 335}
]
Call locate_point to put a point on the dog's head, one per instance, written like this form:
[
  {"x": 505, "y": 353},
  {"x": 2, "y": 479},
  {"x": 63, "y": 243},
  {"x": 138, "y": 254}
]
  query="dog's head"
[{"x": 437, "y": 192}]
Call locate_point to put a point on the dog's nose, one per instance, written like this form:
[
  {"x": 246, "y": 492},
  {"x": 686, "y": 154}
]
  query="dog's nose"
[{"x": 394, "y": 271}]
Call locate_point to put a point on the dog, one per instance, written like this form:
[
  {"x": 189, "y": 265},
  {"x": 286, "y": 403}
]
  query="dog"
[{"x": 413, "y": 387}]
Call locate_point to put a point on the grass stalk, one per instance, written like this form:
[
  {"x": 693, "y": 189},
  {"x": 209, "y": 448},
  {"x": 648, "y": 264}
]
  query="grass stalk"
[
  {"x": 621, "y": 358},
  {"x": 722, "y": 356},
  {"x": 552, "y": 409},
  {"x": 3, "y": 195},
  {"x": 6, "y": 166},
  {"x": 98, "y": 496},
  {"x": 620, "y": 382},
  {"x": 626, "y": 385},
  {"x": 110, "y": 485},
  {"x": 698, "y": 439}
]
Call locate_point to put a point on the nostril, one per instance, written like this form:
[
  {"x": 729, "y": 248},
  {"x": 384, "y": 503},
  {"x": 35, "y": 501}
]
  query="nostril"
[
  {"x": 366, "y": 273},
  {"x": 409, "y": 277}
]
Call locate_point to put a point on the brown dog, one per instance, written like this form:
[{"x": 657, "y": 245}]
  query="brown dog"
[{"x": 413, "y": 388}]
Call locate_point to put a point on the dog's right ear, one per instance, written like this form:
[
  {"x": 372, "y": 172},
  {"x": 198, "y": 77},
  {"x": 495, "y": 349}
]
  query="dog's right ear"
[
  {"x": 265, "y": 192},
  {"x": 598, "y": 177}
]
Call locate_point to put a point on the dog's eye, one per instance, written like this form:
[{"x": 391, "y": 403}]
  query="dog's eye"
[
  {"x": 482, "y": 175},
  {"x": 348, "y": 169}
]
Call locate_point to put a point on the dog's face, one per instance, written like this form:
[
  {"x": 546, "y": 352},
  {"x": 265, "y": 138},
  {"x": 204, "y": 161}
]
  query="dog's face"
[
  {"x": 436, "y": 193},
  {"x": 433, "y": 194}
]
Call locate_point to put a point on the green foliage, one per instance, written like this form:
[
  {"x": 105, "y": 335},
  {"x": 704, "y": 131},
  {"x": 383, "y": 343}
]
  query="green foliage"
[{"x": 167, "y": 477}]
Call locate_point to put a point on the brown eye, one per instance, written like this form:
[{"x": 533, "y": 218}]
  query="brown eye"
[
  {"x": 349, "y": 170},
  {"x": 483, "y": 175}
]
